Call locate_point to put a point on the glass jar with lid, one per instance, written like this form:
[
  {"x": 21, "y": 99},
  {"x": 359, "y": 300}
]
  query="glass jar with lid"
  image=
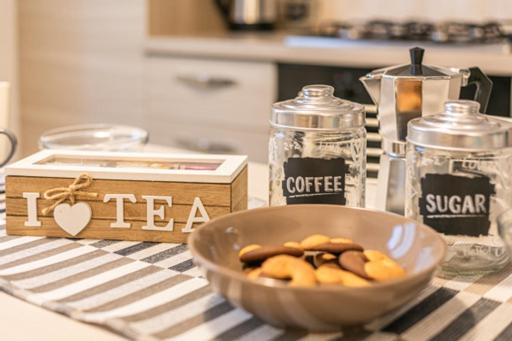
[
  {"x": 317, "y": 150},
  {"x": 459, "y": 168}
]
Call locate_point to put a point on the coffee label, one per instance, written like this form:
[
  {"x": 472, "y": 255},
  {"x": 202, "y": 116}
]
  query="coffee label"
[
  {"x": 456, "y": 205},
  {"x": 314, "y": 181}
]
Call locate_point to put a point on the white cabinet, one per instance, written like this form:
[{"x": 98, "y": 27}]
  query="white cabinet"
[{"x": 217, "y": 106}]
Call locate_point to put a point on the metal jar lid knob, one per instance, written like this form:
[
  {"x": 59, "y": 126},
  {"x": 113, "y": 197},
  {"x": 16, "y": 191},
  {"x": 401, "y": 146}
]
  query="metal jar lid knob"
[
  {"x": 316, "y": 108},
  {"x": 317, "y": 90},
  {"x": 460, "y": 127}
]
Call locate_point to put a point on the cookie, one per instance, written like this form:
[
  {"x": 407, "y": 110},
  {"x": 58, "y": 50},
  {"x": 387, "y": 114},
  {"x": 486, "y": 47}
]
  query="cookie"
[
  {"x": 327, "y": 274},
  {"x": 324, "y": 258},
  {"x": 335, "y": 248},
  {"x": 261, "y": 253},
  {"x": 248, "y": 248},
  {"x": 253, "y": 273},
  {"x": 373, "y": 255},
  {"x": 384, "y": 270},
  {"x": 300, "y": 273},
  {"x": 341, "y": 240},
  {"x": 354, "y": 261},
  {"x": 319, "y": 259},
  {"x": 314, "y": 240},
  {"x": 293, "y": 244}
]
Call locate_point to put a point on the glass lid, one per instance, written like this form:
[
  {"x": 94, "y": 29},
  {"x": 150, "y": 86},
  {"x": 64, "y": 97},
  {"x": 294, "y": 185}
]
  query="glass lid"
[{"x": 95, "y": 137}]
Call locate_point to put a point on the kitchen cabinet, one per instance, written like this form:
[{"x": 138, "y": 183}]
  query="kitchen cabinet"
[
  {"x": 80, "y": 61},
  {"x": 9, "y": 117},
  {"x": 84, "y": 62},
  {"x": 210, "y": 105}
]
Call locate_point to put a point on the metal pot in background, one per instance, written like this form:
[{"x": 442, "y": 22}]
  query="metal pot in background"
[{"x": 249, "y": 15}]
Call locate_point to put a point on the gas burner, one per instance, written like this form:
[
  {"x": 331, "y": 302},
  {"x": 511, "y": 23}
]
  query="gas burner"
[
  {"x": 464, "y": 33},
  {"x": 443, "y": 33}
]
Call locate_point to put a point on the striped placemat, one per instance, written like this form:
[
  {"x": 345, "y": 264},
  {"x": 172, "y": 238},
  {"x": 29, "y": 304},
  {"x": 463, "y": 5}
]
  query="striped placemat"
[{"x": 148, "y": 291}]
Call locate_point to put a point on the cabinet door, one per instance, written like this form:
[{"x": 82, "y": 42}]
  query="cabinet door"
[
  {"x": 210, "y": 105},
  {"x": 80, "y": 62}
]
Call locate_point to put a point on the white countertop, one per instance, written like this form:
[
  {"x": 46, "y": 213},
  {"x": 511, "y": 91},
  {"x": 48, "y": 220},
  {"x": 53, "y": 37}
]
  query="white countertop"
[{"x": 267, "y": 47}]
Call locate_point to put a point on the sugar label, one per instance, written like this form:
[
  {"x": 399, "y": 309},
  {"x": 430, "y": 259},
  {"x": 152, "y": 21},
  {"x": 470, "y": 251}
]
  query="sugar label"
[{"x": 456, "y": 205}]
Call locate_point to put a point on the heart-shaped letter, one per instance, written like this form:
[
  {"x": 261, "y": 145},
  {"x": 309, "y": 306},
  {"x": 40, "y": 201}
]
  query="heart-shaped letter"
[{"x": 72, "y": 219}]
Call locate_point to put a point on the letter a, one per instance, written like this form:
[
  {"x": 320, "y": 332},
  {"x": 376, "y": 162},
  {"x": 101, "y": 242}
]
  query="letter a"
[{"x": 197, "y": 205}]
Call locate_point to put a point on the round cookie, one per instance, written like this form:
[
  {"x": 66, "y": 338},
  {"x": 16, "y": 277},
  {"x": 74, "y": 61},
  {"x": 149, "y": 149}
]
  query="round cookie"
[{"x": 261, "y": 253}]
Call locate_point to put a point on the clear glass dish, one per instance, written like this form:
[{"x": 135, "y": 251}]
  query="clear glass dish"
[{"x": 95, "y": 137}]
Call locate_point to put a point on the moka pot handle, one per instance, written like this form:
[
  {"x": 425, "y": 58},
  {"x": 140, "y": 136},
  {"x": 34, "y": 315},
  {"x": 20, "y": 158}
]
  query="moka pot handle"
[{"x": 483, "y": 87}]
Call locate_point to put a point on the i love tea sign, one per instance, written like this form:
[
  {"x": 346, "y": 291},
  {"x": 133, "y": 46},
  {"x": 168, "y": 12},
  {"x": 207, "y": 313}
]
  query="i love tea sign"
[{"x": 123, "y": 196}]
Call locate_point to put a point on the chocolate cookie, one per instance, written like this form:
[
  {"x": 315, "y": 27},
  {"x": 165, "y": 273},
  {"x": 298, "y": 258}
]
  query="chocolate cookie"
[
  {"x": 262, "y": 253},
  {"x": 322, "y": 258},
  {"x": 335, "y": 248},
  {"x": 354, "y": 261}
]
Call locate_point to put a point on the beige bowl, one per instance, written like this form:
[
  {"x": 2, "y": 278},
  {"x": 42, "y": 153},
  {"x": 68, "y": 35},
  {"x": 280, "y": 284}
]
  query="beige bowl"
[{"x": 215, "y": 248}]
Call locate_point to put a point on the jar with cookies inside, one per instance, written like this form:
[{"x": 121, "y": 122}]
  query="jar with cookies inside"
[{"x": 317, "y": 150}]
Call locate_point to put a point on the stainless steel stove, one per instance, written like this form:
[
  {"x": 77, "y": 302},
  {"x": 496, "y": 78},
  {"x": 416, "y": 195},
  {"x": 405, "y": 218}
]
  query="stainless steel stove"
[{"x": 451, "y": 32}]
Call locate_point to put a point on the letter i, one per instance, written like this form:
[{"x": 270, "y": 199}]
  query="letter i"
[{"x": 32, "y": 220}]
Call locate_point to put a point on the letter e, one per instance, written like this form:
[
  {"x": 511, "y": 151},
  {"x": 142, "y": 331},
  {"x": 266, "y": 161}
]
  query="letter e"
[{"x": 151, "y": 213}]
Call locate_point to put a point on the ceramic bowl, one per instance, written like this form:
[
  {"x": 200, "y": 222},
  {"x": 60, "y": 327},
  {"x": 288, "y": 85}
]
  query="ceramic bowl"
[{"x": 215, "y": 247}]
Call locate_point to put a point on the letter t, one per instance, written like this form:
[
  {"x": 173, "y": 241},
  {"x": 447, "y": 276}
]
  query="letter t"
[{"x": 120, "y": 223}]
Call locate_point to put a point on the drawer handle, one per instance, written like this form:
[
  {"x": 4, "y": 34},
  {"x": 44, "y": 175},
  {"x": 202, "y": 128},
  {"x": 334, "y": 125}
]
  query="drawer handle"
[
  {"x": 206, "y": 146},
  {"x": 206, "y": 82}
]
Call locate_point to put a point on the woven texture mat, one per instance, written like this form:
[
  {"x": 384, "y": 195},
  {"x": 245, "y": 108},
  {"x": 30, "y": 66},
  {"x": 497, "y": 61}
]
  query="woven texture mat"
[{"x": 148, "y": 291}]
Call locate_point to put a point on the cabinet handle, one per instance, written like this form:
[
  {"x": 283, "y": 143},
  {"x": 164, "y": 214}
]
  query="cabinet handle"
[
  {"x": 206, "y": 82},
  {"x": 206, "y": 146}
]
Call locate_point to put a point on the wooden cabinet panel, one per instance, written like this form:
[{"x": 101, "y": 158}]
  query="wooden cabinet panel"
[
  {"x": 81, "y": 61},
  {"x": 211, "y": 105},
  {"x": 207, "y": 139},
  {"x": 227, "y": 93}
]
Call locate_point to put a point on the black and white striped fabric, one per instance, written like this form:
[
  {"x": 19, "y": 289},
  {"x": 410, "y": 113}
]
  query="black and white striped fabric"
[{"x": 153, "y": 291}]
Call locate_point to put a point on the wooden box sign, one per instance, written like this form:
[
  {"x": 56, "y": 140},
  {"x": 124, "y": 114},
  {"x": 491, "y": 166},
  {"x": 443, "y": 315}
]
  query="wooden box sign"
[{"x": 123, "y": 196}]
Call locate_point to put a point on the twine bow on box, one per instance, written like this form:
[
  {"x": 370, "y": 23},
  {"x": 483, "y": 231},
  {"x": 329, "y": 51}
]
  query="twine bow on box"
[{"x": 61, "y": 194}]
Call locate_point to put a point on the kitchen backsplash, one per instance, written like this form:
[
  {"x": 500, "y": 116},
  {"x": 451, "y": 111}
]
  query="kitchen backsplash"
[{"x": 435, "y": 10}]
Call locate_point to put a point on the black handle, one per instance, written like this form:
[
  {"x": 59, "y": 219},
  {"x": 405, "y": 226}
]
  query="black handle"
[
  {"x": 483, "y": 87},
  {"x": 13, "y": 141},
  {"x": 223, "y": 6},
  {"x": 416, "y": 55}
]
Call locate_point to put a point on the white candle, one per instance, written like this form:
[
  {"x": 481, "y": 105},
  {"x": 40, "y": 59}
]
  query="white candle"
[{"x": 4, "y": 102}]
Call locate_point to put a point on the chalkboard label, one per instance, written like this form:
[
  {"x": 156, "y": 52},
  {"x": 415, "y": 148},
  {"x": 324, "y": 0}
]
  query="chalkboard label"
[
  {"x": 314, "y": 181},
  {"x": 456, "y": 205}
]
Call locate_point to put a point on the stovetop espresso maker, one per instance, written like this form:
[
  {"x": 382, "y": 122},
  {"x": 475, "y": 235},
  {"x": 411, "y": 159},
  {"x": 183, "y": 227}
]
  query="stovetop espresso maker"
[{"x": 402, "y": 93}]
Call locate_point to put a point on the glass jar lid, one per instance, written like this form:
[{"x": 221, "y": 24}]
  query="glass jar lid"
[
  {"x": 460, "y": 127},
  {"x": 94, "y": 137},
  {"x": 317, "y": 108}
]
